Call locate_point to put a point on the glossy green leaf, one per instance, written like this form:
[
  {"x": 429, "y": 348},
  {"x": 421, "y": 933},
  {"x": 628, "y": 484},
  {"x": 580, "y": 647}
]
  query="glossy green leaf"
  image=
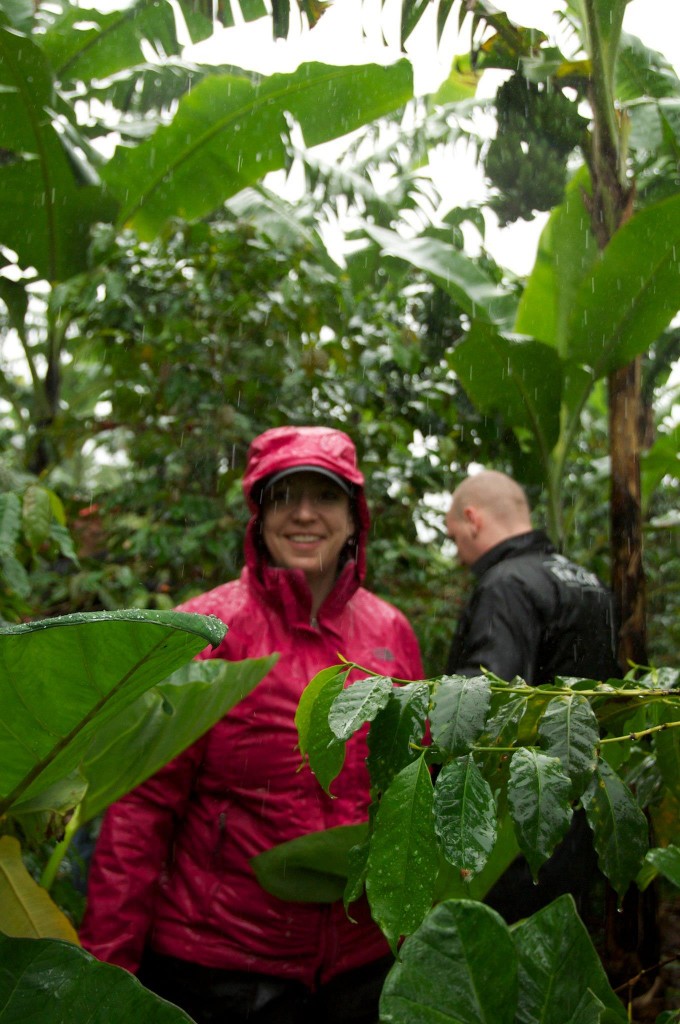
[
  {"x": 27, "y": 910},
  {"x": 303, "y": 713},
  {"x": 326, "y": 753},
  {"x": 566, "y": 252},
  {"x": 45, "y": 214},
  {"x": 313, "y": 868},
  {"x": 395, "y": 732},
  {"x": 95, "y": 45},
  {"x": 357, "y": 868},
  {"x": 357, "y": 704},
  {"x": 538, "y": 797},
  {"x": 558, "y": 967},
  {"x": 451, "y": 883},
  {"x": 632, "y": 293},
  {"x": 570, "y": 731},
  {"x": 463, "y": 280},
  {"x": 459, "y": 967},
  {"x": 402, "y": 863},
  {"x": 517, "y": 377},
  {"x": 459, "y": 708},
  {"x": 56, "y": 982},
  {"x": 228, "y": 133},
  {"x": 619, "y": 827},
  {"x": 64, "y": 678},
  {"x": 464, "y": 815}
]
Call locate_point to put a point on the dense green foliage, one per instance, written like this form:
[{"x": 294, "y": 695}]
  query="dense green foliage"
[{"x": 167, "y": 307}]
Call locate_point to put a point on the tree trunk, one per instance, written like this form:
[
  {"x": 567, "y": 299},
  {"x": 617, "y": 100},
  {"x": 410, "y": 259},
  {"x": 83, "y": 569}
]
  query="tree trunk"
[{"x": 628, "y": 577}]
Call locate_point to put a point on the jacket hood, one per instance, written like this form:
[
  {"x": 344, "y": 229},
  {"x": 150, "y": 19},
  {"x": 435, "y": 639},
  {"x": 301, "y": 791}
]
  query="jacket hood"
[{"x": 284, "y": 448}]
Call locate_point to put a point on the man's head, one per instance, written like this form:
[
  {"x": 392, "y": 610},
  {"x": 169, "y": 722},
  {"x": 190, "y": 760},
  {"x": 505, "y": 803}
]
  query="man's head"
[{"x": 486, "y": 508}]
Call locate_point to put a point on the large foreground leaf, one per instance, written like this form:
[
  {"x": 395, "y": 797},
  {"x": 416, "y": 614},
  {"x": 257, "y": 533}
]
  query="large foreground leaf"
[
  {"x": 311, "y": 869},
  {"x": 229, "y": 132},
  {"x": 558, "y": 967},
  {"x": 162, "y": 723},
  {"x": 63, "y": 678},
  {"x": 57, "y": 983},
  {"x": 459, "y": 967}
]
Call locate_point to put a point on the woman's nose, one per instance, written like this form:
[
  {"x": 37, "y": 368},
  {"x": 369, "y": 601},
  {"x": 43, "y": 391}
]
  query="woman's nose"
[{"x": 304, "y": 506}]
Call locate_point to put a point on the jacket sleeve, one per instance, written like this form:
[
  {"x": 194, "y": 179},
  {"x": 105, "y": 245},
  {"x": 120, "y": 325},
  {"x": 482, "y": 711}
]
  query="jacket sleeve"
[
  {"x": 411, "y": 665},
  {"x": 500, "y": 632},
  {"x": 132, "y": 848}
]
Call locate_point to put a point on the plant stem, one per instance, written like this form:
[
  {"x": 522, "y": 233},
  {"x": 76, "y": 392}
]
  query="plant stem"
[{"x": 59, "y": 852}]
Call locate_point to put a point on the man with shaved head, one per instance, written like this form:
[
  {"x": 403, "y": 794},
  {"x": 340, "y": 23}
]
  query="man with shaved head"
[
  {"x": 533, "y": 613},
  {"x": 536, "y": 615}
]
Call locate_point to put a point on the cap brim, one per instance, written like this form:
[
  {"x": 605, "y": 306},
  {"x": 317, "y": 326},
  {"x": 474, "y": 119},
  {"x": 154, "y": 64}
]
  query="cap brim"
[{"x": 345, "y": 485}]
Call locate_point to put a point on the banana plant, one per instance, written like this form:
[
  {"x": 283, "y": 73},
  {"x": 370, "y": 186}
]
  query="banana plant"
[{"x": 191, "y": 137}]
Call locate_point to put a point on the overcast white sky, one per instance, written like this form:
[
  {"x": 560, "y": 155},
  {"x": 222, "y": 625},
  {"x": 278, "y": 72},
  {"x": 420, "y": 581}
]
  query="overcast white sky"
[{"x": 338, "y": 39}]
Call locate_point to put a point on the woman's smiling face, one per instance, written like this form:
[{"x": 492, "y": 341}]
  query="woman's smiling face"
[{"x": 306, "y": 522}]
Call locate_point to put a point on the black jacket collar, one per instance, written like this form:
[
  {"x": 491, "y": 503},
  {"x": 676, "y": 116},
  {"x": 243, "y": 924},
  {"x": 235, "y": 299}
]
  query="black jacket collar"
[{"x": 522, "y": 544}]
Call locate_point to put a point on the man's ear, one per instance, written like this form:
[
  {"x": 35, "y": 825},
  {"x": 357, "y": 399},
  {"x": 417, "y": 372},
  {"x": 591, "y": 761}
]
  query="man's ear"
[{"x": 473, "y": 517}]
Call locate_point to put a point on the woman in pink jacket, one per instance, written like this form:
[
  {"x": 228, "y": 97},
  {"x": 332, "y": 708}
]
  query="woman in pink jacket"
[{"x": 172, "y": 894}]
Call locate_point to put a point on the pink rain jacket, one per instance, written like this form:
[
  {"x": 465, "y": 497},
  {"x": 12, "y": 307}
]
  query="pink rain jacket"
[{"x": 172, "y": 864}]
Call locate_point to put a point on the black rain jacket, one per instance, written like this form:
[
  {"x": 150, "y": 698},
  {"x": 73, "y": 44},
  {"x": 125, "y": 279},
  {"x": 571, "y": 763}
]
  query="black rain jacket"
[{"x": 537, "y": 615}]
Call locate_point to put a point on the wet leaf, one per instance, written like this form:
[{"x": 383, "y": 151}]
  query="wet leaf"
[
  {"x": 619, "y": 827},
  {"x": 569, "y": 730},
  {"x": 104, "y": 661},
  {"x": 458, "y": 714},
  {"x": 517, "y": 377},
  {"x": 237, "y": 129},
  {"x": 464, "y": 815},
  {"x": 476, "y": 292},
  {"x": 402, "y": 863},
  {"x": 538, "y": 797},
  {"x": 632, "y": 293},
  {"x": 53, "y": 981},
  {"x": 45, "y": 211},
  {"x": 400, "y": 724},
  {"x": 559, "y": 969},
  {"x": 303, "y": 713},
  {"x": 312, "y": 868},
  {"x": 358, "y": 703},
  {"x": 459, "y": 967},
  {"x": 326, "y": 753}
]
